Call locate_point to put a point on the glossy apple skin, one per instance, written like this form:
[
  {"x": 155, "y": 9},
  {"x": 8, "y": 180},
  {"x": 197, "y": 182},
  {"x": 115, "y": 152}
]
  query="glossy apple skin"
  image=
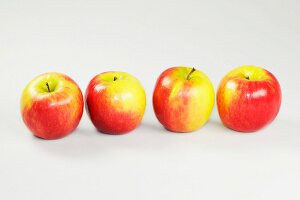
[
  {"x": 183, "y": 105},
  {"x": 55, "y": 114},
  {"x": 115, "y": 107},
  {"x": 248, "y": 105}
]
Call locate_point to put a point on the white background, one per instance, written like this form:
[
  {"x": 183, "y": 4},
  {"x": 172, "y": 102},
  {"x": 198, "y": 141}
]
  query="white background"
[{"x": 84, "y": 38}]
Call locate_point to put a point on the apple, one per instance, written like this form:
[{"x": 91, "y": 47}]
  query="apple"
[
  {"x": 115, "y": 102},
  {"x": 51, "y": 105},
  {"x": 183, "y": 99},
  {"x": 248, "y": 98}
]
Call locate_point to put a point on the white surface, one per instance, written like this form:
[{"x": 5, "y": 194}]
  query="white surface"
[{"x": 84, "y": 38}]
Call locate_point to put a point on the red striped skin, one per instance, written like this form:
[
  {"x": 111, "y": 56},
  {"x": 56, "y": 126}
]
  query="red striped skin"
[
  {"x": 172, "y": 119},
  {"x": 250, "y": 109},
  {"x": 51, "y": 121},
  {"x": 105, "y": 118}
]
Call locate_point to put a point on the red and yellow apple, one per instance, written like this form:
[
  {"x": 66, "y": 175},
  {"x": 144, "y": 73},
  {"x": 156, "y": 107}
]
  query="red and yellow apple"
[
  {"x": 183, "y": 99},
  {"x": 248, "y": 98},
  {"x": 51, "y": 105},
  {"x": 115, "y": 102}
]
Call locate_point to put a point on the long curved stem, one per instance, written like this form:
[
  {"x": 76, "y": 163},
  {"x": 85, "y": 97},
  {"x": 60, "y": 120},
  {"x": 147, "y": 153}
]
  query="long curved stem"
[{"x": 188, "y": 76}]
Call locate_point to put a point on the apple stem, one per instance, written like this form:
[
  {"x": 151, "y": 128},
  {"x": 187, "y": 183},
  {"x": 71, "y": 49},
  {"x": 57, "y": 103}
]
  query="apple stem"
[
  {"x": 188, "y": 76},
  {"x": 247, "y": 77},
  {"x": 115, "y": 78},
  {"x": 48, "y": 87}
]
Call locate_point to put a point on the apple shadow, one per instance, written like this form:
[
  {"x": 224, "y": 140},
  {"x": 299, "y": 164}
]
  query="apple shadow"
[
  {"x": 82, "y": 142},
  {"x": 153, "y": 127},
  {"x": 217, "y": 126},
  {"x": 86, "y": 141}
]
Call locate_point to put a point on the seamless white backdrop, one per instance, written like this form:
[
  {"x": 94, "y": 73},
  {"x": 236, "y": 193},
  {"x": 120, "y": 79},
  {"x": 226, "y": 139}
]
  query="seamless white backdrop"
[{"x": 83, "y": 38}]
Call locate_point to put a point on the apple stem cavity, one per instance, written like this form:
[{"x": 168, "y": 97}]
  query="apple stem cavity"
[
  {"x": 189, "y": 75},
  {"x": 48, "y": 87},
  {"x": 115, "y": 78},
  {"x": 247, "y": 77}
]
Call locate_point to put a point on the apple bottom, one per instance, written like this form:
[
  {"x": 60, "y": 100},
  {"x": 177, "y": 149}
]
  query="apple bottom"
[
  {"x": 180, "y": 116},
  {"x": 241, "y": 124},
  {"x": 50, "y": 123},
  {"x": 115, "y": 123},
  {"x": 246, "y": 118},
  {"x": 179, "y": 131},
  {"x": 177, "y": 122},
  {"x": 244, "y": 125}
]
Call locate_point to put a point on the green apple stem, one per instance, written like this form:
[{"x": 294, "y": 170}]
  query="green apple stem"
[
  {"x": 188, "y": 76},
  {"x": 48, "y": 87},
  {"x": 115, "y": 78}
]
